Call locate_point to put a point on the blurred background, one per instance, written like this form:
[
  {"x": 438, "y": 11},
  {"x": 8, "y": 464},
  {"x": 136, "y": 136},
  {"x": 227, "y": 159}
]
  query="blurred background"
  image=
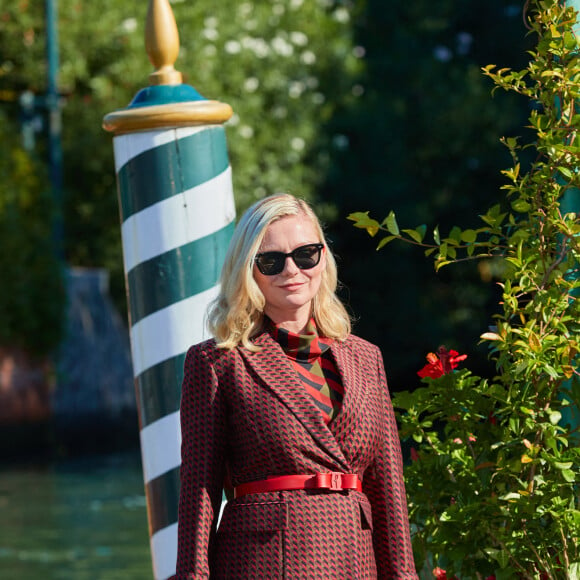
[{"x": 355, "y": 105}]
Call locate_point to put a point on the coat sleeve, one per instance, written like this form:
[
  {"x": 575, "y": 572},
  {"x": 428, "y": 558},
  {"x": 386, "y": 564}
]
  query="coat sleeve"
[
  {"x": 384, "y": 486},
  {"x": 202, "y": 416}
]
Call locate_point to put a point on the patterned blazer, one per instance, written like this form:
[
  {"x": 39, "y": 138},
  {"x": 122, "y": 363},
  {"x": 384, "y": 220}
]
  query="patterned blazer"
[{"x": 246, "y": 416}]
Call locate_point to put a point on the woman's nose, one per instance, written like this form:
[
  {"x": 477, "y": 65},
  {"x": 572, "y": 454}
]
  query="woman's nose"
[{"x": 290, "y": 268}]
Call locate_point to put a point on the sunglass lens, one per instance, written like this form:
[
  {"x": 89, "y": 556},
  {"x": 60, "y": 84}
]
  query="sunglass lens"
[
  {"x": 306, "y": 257},
  {"x": 271, "y": 263}
]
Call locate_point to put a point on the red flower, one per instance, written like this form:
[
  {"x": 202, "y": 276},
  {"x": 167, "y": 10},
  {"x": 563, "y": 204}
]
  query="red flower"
[
  {"x": 440, "y": 574},
  {"x": 441, "y": 363},
  {"x": 414, "y": 454}
]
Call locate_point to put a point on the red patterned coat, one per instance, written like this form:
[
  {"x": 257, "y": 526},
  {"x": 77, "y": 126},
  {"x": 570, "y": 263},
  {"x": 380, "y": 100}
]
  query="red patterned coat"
[{"x": 247, "y": 416}]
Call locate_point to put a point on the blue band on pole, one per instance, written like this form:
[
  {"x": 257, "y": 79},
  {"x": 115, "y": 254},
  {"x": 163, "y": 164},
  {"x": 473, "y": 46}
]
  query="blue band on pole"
[{"x": 165, "y": 95}]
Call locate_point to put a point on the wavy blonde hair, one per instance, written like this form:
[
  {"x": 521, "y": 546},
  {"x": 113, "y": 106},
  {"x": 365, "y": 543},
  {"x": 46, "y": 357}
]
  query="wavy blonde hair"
[{"x": 237, "y": 314}]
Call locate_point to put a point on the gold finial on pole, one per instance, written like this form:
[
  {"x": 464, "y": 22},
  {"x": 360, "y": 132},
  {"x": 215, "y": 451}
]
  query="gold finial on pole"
[
  {"x": 155, "y": 107},
  {"x": 162, "y": 43}
]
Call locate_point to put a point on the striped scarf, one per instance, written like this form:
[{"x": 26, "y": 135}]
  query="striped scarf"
[{"x": 314, "y": 363}]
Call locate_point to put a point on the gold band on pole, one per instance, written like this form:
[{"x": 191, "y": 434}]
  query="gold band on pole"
[{"x": 172, "y": 115}]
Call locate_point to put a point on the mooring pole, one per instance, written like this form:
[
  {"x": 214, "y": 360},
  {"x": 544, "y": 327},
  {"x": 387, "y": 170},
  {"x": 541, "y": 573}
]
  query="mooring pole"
[{"x": 177, "y": 217}]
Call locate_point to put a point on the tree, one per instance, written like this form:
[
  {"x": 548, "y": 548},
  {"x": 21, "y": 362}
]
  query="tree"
[
  {"x": 493, "y": 482},
  {"x": 347, "y": 103},
  {"x": 264, "y": 58},
  {"x": 31, "y": 292},
  {"x": 421, "y": 137}
]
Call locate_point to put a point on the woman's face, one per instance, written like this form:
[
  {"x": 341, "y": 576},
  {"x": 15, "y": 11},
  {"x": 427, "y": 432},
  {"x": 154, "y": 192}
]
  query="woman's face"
[{"x": 289, "y": 294}]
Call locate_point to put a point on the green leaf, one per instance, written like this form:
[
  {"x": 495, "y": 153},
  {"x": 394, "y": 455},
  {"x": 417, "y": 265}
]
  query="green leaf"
[
  {"x": 503, "y": 558},
  {"x": 512, "y": 496},
  {"x": 493, "y": 217},
  {"x": 568, "y": 475},
  {"x": 391, "y": 223},
  {"x": 421, "y": 230},
  {"x": 555, "y": 417},
  {"x": 468, "y": 236},
  {"x": 569, "y": 40},
  {"x": 364, "y": 222},
  {"x": 455, "y": 234},
  {"x": 521, "y": 206},
  {"x": 414, "y": 234},
  {"x": 551, "y": 443},
  {"x": 563, "y": 464},
  {"x": 358, "y": 216},
  {"x": 385, "y": 241},
  {"x": 534, "y": 342},
  {"x": 440, "y": 263},
  {"x": 436, "y": 235}
]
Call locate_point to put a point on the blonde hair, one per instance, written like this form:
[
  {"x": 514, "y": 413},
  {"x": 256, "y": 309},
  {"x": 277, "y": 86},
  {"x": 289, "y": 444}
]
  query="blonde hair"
[{"x": 237, "y": 314}]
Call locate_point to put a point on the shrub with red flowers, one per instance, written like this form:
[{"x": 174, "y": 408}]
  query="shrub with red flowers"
[
  {"x": 495, "y": 462},
  {"x": 441, "y": 363}
]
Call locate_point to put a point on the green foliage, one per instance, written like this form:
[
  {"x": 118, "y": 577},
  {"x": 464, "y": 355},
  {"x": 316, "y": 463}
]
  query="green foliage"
[
  {"x": 422, "y": 138},
  {"x": 323, "y": 92},
  {"x": 282, "y": 66},
  {"x": 493, "y": 487},
  {"x": 31, "y": 291}
]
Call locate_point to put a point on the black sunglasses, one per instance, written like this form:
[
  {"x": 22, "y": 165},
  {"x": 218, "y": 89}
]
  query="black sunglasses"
[{"x": 305, "y": 257}]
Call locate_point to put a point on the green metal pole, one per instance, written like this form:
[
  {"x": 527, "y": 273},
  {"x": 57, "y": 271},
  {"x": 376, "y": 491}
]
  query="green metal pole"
[
  {"x": 54, "y": 121},
  {"x": 570, "y": 203}
]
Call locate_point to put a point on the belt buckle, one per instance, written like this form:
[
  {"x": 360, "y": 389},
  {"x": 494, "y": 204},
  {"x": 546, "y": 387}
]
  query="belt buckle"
[
  {"x": 336, "y": 481},
  {"x": 332, "y": 481}
]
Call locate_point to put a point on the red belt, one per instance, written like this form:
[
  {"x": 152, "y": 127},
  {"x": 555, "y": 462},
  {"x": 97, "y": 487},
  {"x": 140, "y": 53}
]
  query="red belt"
[{"x": 329, "y": 481}]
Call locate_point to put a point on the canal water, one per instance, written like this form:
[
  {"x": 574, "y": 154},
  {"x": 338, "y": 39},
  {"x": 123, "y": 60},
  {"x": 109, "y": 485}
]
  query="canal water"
[{"x": 81, "y": 519}]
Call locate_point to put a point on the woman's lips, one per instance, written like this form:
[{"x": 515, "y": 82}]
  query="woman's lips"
[{"x": 293, "y": 286}]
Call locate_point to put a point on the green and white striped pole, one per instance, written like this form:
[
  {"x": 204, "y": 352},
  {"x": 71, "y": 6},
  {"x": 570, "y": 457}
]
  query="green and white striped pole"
[{"x": 177, "y": 217}]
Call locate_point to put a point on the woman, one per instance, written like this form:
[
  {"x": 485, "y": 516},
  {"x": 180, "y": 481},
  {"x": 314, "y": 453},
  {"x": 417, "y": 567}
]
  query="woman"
[{"x": 293, "y": 412}]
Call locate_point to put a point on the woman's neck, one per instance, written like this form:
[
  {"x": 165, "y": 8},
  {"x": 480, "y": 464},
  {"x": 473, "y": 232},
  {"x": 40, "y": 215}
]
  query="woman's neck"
[{"x": 295, "y": 322}]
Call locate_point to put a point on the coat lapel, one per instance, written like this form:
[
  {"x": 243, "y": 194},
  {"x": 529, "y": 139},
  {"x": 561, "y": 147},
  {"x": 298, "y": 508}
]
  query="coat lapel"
[
  {"x": 277, "y": 374},
  {"x": 353, "y": 385}
]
